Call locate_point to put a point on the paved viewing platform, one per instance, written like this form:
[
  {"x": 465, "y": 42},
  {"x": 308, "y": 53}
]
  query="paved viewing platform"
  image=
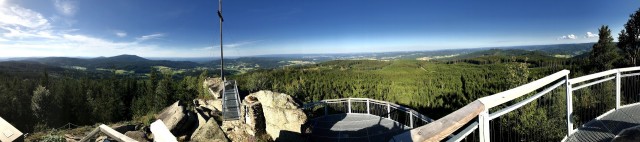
[
  {"x": 608, "y": 125},
  {"x": 354, "y": 128},
  {"x": 359, "y": 120}
]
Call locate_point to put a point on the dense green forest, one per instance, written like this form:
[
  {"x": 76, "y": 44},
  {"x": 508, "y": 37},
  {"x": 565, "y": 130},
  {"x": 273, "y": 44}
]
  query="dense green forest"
[
  {"x": 45, "y": 100},
  {"x": 36, "y": 97}
]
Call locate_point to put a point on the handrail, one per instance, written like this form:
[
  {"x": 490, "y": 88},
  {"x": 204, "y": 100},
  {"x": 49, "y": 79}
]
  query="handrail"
[
  {"x": 511, "y": 94},
  {"x": 445, "y": 126},
  {"x": 592, "y": 76},
  {"x": 369, "y": 103}
]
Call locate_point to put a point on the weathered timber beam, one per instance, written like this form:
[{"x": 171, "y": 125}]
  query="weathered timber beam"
[{"x": 443, "y": 127}]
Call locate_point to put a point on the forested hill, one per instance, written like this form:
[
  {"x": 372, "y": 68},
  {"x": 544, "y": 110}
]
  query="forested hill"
[
  {"x": 432, "y": 87},
  {"x": 121, "y": 62}
]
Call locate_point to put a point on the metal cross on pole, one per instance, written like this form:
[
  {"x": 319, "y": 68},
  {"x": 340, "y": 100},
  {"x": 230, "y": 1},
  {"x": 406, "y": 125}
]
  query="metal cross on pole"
[{"x": 221, "y": 52}]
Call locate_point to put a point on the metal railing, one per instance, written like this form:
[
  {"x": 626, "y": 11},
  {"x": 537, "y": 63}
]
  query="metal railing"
[
  {"x": 224, "y": 99},
  {"x": 503, "y": 112},
  {"x": 400, "y": 114},
  {"x": 586, "y": 98},
  {"x": 602, "y": 93}
]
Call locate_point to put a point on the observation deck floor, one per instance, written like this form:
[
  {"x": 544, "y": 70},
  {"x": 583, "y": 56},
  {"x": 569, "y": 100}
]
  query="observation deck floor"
[{"x": 608, "y": 125}]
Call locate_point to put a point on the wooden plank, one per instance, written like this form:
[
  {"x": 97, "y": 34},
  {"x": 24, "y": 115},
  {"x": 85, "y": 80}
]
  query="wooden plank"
[
  {"x": 8, "y": 132},
  {"x": 443, "y": 127},
  {"x": 161, "y": 133},
  {"x": 115, "y": 134}
]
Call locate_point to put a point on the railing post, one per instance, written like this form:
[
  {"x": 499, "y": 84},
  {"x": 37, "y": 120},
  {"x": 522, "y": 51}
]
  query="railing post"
[
  {"x": 618, "y": 89},
  {"x": 349, "y": 104},
  {"x": 368, "y": 110},
  {"x": 569, "y": 94},
  {"x": 388, "y": 110},
  {"x": 483, "y": 125},
  {"x": 326, "y": 109},
  {"x": 410, "y": 118}
]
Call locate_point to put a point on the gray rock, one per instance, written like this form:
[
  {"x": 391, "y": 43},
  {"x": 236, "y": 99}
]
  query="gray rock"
[
  {"x": 137, "y": 135},
  {"x": 209, "y": 132},
  {"x": 281, "y": 113},
  {"x": 172, "y": 115}
]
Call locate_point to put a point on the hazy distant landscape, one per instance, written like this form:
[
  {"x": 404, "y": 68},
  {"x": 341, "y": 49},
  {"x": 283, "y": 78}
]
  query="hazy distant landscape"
[{"x": 331, "y": 70}]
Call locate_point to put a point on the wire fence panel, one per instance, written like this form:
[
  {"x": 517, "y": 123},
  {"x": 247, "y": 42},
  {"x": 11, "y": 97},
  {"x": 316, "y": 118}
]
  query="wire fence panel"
[
  {"x": 537, "y": 116},
  {"x": 630, "y": 89},
  {"x": 400, "y": 114},
  {"x": 592, "y": 101}
]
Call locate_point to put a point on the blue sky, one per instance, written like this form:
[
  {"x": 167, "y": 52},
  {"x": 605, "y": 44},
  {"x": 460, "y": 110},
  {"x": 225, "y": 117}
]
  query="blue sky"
[{"x": 177, "y": 28}]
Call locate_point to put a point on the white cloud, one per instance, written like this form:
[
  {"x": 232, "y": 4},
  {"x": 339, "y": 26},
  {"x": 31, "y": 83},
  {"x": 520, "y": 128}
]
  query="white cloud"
[
  {"x": 590, "y": 35},
  {"x": 149, "y": 37},
  {"x": 24, "y": 33},
  {"x": 121, "y": 34},
  {"x": 15, "y": 16},
  {"x": 65, "y": 7},
  {"x": 570, "y": 36}
]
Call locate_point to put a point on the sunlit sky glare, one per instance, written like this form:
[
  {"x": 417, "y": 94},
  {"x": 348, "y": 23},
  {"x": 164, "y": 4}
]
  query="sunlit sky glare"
[{"x": 179, "y": 28}]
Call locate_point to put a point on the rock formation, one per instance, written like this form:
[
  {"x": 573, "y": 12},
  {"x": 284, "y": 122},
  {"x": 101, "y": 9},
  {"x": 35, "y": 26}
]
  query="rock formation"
[
  {"x": 210, "y": 132},
  {"x": 252, "y": 115},
  {"x": 282, "y": 115},
  {"x": 214, "y": 86},
  {"x": 172, "y": 115}
]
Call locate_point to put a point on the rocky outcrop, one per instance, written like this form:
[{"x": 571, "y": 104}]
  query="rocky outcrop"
[
  {"x": 178, "y": 120},
  {"x": 172, "y": 115},
  {"x": 238, "y": 131},
  {"x": 281, "y": 114},
  {"x": 137, "y": 135},
  {"x": 252, "y": 115},
  {"x": 209, "y": 132},
  {"x": 214, "y": 86},
  {"x": 210, "y": 107}
]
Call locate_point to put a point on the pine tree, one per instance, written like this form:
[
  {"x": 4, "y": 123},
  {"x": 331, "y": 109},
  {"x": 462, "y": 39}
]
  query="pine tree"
[
  {"x": 629, "y": 40},
  {"x": 604, "y": 53}
]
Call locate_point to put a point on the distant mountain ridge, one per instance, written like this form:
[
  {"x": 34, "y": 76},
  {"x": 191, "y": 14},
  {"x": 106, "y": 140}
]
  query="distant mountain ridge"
[{"x": 121, "y": 62}]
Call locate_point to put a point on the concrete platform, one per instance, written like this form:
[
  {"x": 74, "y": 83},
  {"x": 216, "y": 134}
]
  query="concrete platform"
[
  {"x": 609, "y": 125},
  {"x": 353, "y": 127}
]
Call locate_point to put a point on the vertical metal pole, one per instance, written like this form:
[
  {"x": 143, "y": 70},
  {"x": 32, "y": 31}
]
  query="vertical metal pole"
[
  {"x": 569, "y": 94},
  {"x": 388, "y": 110},
  {"x": 368, "y": 110},
  {"x": 410, "y": 118},
  {"x": 326, "y": 110},
  {"x": 618, "y": 87},
  {"x": 483, "y": 125},
  {"x": 349, "y": 104},
  {"x": 221, "y": 52}
]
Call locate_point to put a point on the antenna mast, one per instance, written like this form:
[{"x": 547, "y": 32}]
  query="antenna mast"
[{"x": 221, "y": 52}]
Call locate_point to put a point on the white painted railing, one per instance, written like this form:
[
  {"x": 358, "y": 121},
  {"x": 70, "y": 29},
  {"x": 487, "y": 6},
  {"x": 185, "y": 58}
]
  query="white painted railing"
[
  {"x": 403, "y": 115},
  {"x": 597, "y": 82},
  {"x": 591, "y": 85}
]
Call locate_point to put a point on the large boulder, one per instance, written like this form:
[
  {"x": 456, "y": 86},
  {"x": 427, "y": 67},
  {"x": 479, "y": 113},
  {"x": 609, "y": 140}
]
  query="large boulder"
[
  {"x": 214, "y": 86},
  {"x": 209, "y": 132},
  {"x": 177, "y": 119},
  {"x": 137, "y": 135},
  {"x": 238, "y": 131},
  {"x": 281, "y": 113},
  {"x": 172, "y": 115},
  {"x": 252, "y": 115}
]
